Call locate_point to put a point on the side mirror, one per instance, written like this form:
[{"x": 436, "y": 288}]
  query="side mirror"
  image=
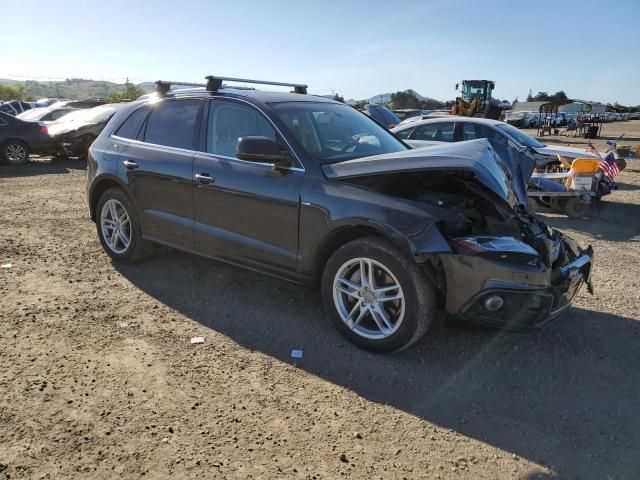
[{"x": 260, "y": 149}]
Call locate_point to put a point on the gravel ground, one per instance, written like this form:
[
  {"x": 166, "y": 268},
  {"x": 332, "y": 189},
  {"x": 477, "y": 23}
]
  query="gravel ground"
[{"x": 98, "y": 378}]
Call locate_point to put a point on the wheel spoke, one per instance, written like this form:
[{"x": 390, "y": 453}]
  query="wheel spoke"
[
  {"x": 349, "y": 284},
  {"x": 123, "y": 218},
  {"x": 113, "y": 210},
  {"x": 388, "y": 288},
  {"x": 370, "y": 275},
  {"x": 381, "y": 318},
  {"x": 363, "y": 312},
  {"x": 390, "y": 298},
  {"x": 114, "y": 238},
  {"x": 123, "y": 238}
]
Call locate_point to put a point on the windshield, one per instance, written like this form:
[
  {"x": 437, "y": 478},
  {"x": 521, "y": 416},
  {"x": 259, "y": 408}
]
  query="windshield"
[
  {"x": 33, "y": 114},
  {"x": 91, "y": 115},
  {"x": 334, "y": 132},
  {"x": 519, "y": 136}
]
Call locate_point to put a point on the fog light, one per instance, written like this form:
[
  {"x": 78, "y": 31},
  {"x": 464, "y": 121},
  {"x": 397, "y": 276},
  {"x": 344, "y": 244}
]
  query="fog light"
[{"x": 493, "y": 303}]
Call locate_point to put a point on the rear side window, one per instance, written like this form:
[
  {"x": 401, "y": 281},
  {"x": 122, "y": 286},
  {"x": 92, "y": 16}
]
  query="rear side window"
[
  {"x": 437, "y": 132},
  {"x": 172, "y": 123},
  {"x": 228, "y": 121},
  {"x": 131, "y": 126},
  {"x": 404, "y": 133}
]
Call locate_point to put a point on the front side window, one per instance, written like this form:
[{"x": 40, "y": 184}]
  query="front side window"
[
  {"x": 131, "y": 126},
  {"x": 172, "y": 123},
  {"x": 436, "y": 132},
  {"x": 334, "y": 133},
  {"x": 229, "y": 121}
]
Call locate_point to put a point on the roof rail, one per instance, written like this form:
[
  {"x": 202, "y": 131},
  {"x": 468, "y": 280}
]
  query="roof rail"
[
  {"x": 163, "y": 86},
  {"x": 214, "y": 82}
]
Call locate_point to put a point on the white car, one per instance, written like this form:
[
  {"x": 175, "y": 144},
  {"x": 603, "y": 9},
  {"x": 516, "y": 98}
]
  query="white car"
[{"x": 429, "y": 132}]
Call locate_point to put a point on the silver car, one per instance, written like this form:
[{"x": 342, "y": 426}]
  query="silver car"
[{"x": 456, "y": 129}]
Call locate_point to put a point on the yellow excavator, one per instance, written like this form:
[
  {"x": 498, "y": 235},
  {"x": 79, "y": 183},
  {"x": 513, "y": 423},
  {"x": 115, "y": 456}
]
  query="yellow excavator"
[{"x": 475, "y": 100}]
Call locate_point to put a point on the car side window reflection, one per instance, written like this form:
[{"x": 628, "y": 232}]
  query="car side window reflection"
[
  {"x": 172, "y": 123},
  {"x": 437, "y": 132},
  {"x": 229, "y": 121},
  {"x": 403, "y": 134},
  {"x": 131, "y": 126}
]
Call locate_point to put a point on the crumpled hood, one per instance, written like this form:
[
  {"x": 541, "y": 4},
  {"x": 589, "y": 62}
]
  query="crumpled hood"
[{"x": 502, "y": 172}]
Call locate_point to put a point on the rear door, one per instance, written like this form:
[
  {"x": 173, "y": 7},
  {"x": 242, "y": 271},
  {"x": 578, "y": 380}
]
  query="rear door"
[
  {"x": 156, "y": 153},
  {"x": 244, "y": 211}
]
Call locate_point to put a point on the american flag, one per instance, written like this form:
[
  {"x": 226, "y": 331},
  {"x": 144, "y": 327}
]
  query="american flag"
[{"x": 607, "y": 164}]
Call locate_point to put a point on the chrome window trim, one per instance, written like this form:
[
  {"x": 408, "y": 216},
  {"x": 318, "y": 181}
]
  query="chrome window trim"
[
  {"x": 272, "y": 166},
  {"x": 207, "y": 154},
  {"x": 155, "y": 145}
]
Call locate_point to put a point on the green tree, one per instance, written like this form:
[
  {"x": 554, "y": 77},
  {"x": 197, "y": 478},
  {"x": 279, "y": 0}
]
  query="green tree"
[
  {"x": 360, "y": 105},
  {"x": 530, "y": 96},
  {"x": 405, "y": 99},
  {"x": 130, "y": 93},
  {"x": 430, "y": 104},
  {"x": 542, "y": 97},
  {"x": 559, "y": 95},
  {"x": 12, "y": 92},
  {"x": 338, "y": 98}
]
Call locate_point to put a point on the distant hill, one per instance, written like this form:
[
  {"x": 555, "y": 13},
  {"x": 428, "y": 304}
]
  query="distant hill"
[
  {"x": 73, "y": 88},
  {"x": 383, "y": 98}
]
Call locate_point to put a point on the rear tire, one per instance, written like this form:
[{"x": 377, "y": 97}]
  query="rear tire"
[
  {"x": 14, "y": 152},
  {"x": 387, "y": 314},
  {"x": 119, "y": 228}
]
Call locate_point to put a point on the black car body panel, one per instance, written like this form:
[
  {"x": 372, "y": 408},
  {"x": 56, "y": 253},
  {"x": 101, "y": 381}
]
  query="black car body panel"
[
  {"x": 457, "y": 210},
  {"x": 33, "y": 134}
]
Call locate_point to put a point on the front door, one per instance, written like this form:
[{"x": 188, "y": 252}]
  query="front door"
[{"x": 244, "y": 211}]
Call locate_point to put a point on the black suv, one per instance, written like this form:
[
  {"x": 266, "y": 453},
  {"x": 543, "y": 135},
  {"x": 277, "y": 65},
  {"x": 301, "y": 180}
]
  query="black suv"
[{"x": 311, "y": 190}]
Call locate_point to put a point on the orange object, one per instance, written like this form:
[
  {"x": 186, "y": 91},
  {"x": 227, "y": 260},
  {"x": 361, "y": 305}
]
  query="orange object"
[{"x": 585, "y": 166}]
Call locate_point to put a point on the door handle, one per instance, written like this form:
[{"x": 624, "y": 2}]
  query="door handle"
[
  {"x": 204, "y": 178},
  {"x": 130, "y": 164}
]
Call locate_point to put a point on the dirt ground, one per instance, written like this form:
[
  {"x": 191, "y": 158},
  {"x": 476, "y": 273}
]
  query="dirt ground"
[{"x": 98, "y": 378}]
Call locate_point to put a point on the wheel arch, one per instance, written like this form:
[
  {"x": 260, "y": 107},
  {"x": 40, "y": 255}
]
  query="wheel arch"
[
  {"x": 344, "y": 234},
  {"x": 98, "y": 188},
  {"x": 16, "y": 139}
]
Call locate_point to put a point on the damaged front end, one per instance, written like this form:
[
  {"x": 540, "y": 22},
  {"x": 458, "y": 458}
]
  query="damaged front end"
[{"x": 504, "y": 267}]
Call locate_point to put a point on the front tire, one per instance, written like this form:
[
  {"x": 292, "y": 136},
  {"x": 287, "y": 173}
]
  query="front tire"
[
  {"x": 15, "y": 152},
  {"x": 376, "y": 296},
  {"x": 119, "y": 229}
]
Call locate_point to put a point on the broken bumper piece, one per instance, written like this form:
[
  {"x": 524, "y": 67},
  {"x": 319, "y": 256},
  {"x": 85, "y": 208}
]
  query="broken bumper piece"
[{"x": 501, "y": 293}]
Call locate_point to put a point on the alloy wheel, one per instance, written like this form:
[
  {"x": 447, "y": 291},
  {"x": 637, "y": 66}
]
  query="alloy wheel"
[
  {"x": 116, "y": 226},
  {"x": 368, "y": 298},
  {"x": 15, "y": 153}
]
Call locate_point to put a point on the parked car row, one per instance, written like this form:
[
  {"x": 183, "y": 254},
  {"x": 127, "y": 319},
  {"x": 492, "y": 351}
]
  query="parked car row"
[
  {"x": 64, "y": 128},
  {"x": 522, "y": 119}
]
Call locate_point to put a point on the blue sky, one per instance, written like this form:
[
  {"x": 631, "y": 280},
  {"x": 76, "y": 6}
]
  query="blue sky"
[{"x": 360, "y": 48}]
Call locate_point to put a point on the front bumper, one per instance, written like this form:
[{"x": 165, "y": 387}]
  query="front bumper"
[{"x": 532, "y": 295}]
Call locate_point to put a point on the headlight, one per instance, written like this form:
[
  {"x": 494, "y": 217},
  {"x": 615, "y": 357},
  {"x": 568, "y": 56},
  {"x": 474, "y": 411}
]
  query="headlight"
[{"x": 502, "y": 248}]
